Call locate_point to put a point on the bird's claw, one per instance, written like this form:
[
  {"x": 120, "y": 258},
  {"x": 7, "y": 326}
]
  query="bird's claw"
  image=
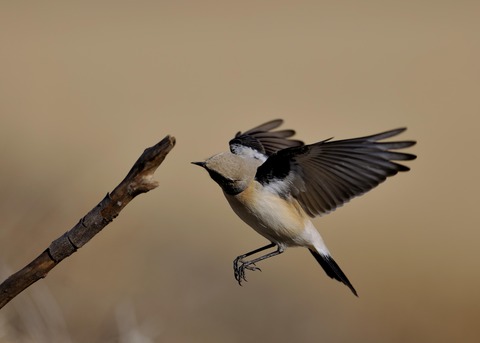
[{"x": 239, "y": 267}]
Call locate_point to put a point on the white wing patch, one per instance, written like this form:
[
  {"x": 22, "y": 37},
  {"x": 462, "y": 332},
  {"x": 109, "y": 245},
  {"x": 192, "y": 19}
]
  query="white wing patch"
[
  {"x": 245, "y": 151},
  {"x": 290, "y": 185}
]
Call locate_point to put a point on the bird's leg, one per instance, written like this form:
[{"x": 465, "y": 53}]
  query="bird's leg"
[
  {"x": 239, "y": 269},
  {"x": 239, "y": 265}
]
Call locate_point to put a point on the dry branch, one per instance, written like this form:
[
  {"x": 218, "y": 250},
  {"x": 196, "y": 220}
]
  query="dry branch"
[{"x": 138, "y": 180}]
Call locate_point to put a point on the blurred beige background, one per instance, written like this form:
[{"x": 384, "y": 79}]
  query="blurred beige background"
[{"x": 86, "y": 86}]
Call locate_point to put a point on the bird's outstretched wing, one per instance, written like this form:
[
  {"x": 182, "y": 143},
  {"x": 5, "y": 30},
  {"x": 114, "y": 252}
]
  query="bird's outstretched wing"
[
  {"x": 325, "y": 175},
  {"x": 261, "y": 142}
]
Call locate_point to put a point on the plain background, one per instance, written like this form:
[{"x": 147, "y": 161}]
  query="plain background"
[{"x": 86, "y": 86}]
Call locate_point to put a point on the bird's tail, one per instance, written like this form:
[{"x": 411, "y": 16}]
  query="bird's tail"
[{"x": 332, "y": 269}]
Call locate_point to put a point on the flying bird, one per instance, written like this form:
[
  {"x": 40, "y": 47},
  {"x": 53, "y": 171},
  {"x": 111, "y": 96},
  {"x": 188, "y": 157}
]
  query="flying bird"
[{"x": 276, "y": 184}]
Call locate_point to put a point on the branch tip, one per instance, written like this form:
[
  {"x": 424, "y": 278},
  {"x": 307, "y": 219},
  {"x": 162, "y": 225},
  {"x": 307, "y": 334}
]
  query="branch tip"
[{"x": 138, "y": 180}]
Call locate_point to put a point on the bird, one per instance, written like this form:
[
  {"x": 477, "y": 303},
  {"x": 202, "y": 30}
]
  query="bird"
[{"x": 277, "y": 184}]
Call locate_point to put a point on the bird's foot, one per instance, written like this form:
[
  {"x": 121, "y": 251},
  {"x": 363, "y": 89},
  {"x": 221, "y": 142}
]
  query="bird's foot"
[{"x": 239, "y": 267}]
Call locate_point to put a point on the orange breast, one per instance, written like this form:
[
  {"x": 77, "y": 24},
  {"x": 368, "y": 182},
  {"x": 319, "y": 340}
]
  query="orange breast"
[{"x": 277, "y": 219}]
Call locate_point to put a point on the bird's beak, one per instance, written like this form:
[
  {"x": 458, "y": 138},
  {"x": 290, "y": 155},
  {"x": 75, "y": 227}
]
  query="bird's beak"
[{"x": 201, "y": 164}]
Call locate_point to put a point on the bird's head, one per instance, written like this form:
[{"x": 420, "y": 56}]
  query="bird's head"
[{"x": 232, "y": 172}]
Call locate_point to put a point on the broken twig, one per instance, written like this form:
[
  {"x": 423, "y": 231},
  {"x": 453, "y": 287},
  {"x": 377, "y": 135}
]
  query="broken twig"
[{"x": 138, "y": 180}]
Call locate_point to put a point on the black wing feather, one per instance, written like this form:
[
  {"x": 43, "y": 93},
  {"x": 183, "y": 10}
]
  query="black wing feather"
[
  {"x": 263, "y": 140},
  {"x": 325, "y": 175}
]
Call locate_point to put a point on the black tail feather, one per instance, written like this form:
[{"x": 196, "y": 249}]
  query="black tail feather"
[{"x": 332, "y": 269}]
